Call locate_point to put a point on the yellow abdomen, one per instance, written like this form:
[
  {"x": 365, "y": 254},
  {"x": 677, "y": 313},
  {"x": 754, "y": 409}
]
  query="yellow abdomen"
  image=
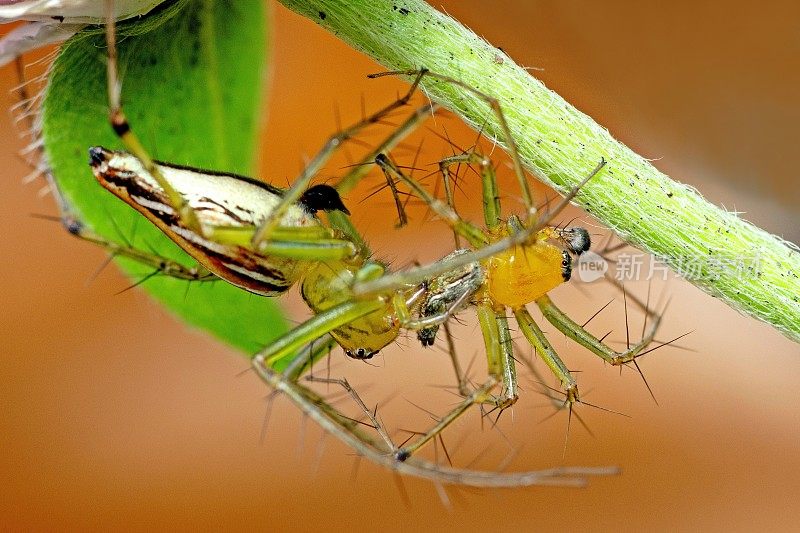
[{"x": 522, "y": 274}]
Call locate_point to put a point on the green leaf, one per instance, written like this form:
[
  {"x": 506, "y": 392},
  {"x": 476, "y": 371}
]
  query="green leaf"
[{"x": 192, "y": 77}]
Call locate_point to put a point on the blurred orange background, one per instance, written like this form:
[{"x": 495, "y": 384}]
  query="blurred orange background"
[{"x": 115, "y": 415}]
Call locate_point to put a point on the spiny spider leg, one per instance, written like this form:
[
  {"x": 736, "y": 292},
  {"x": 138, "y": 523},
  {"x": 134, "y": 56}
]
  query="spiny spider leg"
[
  {"x": 468, "y": 230},
  {"x": 351, "y": 179},
  {"x": 120, "y": 125},
  {"x": 491, "y": 195},
  {"x": 499, "y": 354},
  {"x": 160, "y": 264},
  {"x": 371, "y": 416},
  {"x": 315, "y": 165},
  {"x": 461, "y": 377},
  {"x": 542, "y": 346},
  {"x": 576, "y": 332},
  {"x": 341, "y": 221},
  {"x": 350, "y": 433},
  {"x": 494, "y": 105}
]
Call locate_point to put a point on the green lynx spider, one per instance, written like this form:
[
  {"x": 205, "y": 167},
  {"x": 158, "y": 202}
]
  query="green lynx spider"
[{"x": 262, "y": 223}]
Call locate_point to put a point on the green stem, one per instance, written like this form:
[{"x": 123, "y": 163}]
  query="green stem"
[{"x": 731, "y": 259}]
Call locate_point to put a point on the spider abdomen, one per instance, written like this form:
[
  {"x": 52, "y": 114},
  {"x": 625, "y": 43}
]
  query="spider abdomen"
[{"x": 524, "y": 273}]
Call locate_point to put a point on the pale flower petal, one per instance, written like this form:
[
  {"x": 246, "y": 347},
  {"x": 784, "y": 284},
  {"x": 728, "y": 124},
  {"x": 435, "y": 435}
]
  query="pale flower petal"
[
  {"x": 57, "y": 20},
  {"x": 33, "y": 35},
  {"x": 71, "y": 11}
]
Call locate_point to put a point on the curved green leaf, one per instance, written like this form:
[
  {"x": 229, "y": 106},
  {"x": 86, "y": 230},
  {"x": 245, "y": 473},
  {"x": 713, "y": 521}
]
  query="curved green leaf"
[{"x": 192, "y": 77}]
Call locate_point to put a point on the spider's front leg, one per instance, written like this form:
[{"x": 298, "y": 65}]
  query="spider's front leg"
[{"x": 295, "y": 192}]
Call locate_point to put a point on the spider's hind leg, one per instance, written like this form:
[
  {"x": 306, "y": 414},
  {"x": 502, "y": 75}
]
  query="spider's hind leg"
[
  {"x": 160, "y": 264},
  {"x": 578, "y": 333}
]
